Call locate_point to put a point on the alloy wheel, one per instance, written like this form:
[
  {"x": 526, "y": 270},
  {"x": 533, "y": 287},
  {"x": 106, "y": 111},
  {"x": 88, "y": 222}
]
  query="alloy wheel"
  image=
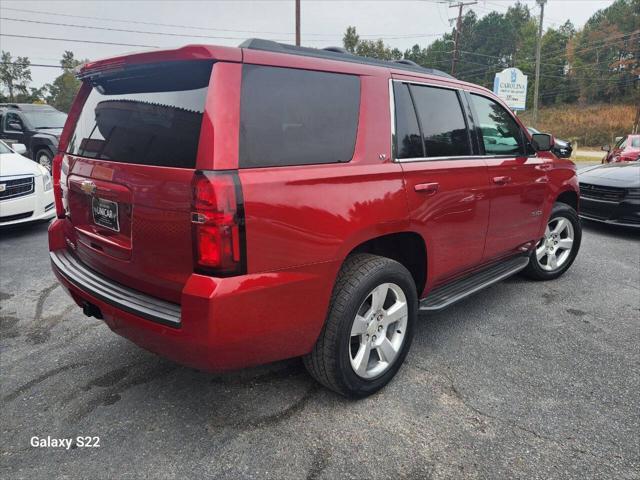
[
  {"x": 45, "y": 161},
  {"x": 378, "y": 331},
  {"x": 554, "y": 249}
]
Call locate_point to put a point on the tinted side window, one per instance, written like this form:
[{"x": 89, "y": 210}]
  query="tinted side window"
[
  {"x": 443, "y": 126},
  {"x": 501, "y": 134},
  {"x": 297, "y": 117},
  {"x": 408, "y": 140},
  {"x": 13, "y": 118}
]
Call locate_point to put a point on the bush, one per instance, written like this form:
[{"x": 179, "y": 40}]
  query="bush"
[{"x": 590, "y": 126}]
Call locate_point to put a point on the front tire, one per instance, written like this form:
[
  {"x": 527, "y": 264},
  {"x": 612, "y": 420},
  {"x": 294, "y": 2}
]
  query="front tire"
[
  {"x": 556, "y": 251},
  {"x": 44, "y": 157},
  {"x": 369, "y": 327}
]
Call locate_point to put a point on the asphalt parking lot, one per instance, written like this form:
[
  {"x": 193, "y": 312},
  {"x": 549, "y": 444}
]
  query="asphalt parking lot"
[{"x": 524, "y": 380}]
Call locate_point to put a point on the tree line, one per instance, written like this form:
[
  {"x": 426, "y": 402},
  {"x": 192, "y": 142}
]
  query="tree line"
[
  {"x": 15, "y": 80},
  {"x": 598, "y": 63}
]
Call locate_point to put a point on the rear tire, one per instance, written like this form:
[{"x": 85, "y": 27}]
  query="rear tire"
[
  {"x": 556, "y": 251},
  {"x": 372, "y": 314}
]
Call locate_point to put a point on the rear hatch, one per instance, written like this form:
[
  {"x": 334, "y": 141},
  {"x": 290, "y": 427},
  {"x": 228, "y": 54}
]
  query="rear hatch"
[{"x": 130, "y": 163}]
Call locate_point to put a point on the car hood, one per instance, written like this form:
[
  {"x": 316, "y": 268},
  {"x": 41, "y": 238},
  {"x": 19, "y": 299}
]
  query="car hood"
[
  {"x": 52, "y": 132},
  {"x": 12, "y": 164},
  {"x": 625, "y": 175}
]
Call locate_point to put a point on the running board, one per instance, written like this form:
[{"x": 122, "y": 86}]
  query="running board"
[{"x": 446, "y": 295}]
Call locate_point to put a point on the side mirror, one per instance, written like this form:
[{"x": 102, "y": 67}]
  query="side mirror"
[
  {"x": 19, "y": 148},
  {"x": 605, "y": 148},
  {"x": 15, "y": 126},
  {"x": 542, "y": 142}
]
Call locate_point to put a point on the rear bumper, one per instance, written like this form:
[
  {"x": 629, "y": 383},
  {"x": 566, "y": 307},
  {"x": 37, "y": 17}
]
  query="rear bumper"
[
  {"x": 221, "y": 323},
  {"x": 625, "y": 213}
]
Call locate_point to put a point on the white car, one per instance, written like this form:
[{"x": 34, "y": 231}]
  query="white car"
[{"x": 26, "y": 188}]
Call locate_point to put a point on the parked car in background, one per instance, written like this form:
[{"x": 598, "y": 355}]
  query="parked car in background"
[
  {"x": 611, "y": 193},
  {"x": 26, "y": 189},
  {"x": 626, "y": 149},
  {"x": 227, "y": 207},
  {"x": 562, "y": 148},
  {"x": 36, "y": 126}
]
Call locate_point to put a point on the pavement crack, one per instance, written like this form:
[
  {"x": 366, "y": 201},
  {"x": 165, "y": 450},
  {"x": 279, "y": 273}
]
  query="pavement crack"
[
  {"x": 51, "y": 373},
  {"x": 512, "y": 423}
]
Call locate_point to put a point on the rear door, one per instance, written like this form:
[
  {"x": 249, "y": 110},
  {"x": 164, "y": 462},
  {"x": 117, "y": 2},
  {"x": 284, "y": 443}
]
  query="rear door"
[
  {"x": 446, "y": 182},
  {"x": 130, "y": 163},
  {"x": 519, "y": 181}
]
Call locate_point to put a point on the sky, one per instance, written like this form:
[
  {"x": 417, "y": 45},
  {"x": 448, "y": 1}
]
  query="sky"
[{"x": 400, "y": 23}]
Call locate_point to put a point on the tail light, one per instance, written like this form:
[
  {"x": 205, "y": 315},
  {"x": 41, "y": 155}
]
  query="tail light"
[
  {"x": 217, "y": 219},
  {"x": 60, "y": 167},
  {"x": 60, "y": 164}
]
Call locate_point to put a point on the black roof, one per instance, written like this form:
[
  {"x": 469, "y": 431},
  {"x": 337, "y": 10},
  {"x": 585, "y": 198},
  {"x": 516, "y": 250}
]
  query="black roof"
[{"x": 337, "y": 53}]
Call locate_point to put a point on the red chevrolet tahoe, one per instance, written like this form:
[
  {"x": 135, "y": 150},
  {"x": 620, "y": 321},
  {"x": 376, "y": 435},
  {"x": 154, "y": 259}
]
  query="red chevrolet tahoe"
[{"x": 227, "y": 207}]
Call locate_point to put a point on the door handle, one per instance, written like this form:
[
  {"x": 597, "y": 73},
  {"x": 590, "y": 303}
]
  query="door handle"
[
  {"x": 428, "y": 188},
  {"x": 501, "y": 180}
]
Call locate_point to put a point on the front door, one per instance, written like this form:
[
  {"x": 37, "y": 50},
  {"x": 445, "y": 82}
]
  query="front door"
[
  {"x": 13, "y": 128},
  {"x": 519, "y": 181}
]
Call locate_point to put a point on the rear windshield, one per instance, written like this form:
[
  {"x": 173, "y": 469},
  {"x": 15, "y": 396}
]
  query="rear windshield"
[{"x": 147, "y": 115}]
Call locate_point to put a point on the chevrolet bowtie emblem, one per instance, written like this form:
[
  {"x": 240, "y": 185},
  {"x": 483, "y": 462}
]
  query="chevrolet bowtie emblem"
[{"x": 88, "y": 186}]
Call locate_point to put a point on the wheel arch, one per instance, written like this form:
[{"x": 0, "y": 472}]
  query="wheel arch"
[
  {"x": 405, "y": 247},
  {"x": 569, "y": 197}
]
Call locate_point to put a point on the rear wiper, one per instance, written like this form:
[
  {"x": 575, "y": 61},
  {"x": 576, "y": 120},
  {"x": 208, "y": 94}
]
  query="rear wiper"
[{"x": 44, "y": 128}]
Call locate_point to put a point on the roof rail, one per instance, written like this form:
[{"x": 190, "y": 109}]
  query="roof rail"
[
  {"x": 344, "y": 51},
  {"x": 406, "y": 61},
  {"x": 336, "y": 53}
]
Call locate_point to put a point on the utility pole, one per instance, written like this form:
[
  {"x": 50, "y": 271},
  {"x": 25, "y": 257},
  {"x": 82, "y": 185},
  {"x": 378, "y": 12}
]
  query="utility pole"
[
  {"x": 454, "y": 59},
  {"x": 538, "y": 48},
  {"x": 297, "y": 23}
]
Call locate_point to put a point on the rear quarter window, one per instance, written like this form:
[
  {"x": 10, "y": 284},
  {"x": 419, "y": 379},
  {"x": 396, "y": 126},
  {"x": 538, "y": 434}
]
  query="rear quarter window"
[
  {"x": 297, "y": 117},
  {"x": 147, "y": 115}
]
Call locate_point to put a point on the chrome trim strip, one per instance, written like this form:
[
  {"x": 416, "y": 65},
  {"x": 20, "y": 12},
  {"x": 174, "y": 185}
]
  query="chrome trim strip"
[
  {"x": 5, "y": 178},
  {"x": 392, "y": 111},
  {"x": 428, "y": 84},
  {"x": 110, "y": 292},
  {"x": 461, "y": 157},
  {"x": 600, "y": 200}
]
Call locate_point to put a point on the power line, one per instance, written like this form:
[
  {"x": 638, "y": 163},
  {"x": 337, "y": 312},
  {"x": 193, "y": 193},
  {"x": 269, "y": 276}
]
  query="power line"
[
  {"x": 145, "y": 32},
  {"x": 32, "y": 64},
  {"x": 209, "y": 29},
  {"x": 76, "y": 40}
]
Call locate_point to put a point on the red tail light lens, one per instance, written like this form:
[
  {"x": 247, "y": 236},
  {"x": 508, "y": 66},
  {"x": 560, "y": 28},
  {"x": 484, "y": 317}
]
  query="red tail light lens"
[
  {"x": 217, "y": 218},
  {"x": 60, "y": 167}
]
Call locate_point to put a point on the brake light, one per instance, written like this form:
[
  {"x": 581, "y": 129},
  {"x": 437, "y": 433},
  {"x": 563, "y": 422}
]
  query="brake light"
[
  {"x": 217, "y": 219},
  {"x": 60, "y": 167},
  {"x": 60, "y": 164}
]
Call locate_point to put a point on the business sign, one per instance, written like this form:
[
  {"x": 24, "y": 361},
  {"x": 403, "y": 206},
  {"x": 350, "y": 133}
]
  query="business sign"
[{"x": 511, "y": 86}]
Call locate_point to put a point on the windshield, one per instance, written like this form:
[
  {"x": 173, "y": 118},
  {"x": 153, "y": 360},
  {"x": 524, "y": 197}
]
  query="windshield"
[
  {"x": 4, "y": 148},
  {"x": 46, "y": 119}
]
